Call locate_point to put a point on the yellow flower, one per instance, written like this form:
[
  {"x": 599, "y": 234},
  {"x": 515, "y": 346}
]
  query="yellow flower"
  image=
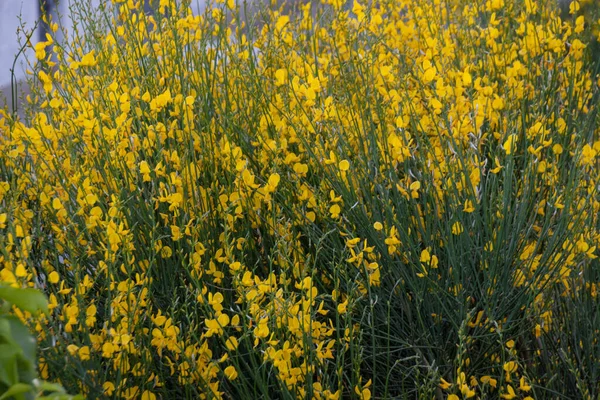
[
  {"x": 20, "y": 271},
  {"x": 231, "y": 373},
  {"x": 280, "y": 77},
  {"x": 88, "y": 60},
  {"x": 466, "y": 78},
  {"x": 342, "y": 307},
  {"x": 468, "y": 207},
  {"x": 510, "y": 367},
  {"x": 262, "y": 330},
  {"x": 46, "y": 81},
  {"x": 109, "y": 388},
  {"x": 510, "y": 143},
  {"x": 364, "y": 394},
  {"x": 510, "y": 393},
  {"x": 344, "y": 165},
  {"x": 148, "y": 395},
  {"x": 444, "y": 384},
  {"x": 72, "y": 349},
  {"x": 488, "y": 380},
  {"x": 215, "y": 301},
  {"x": 538, "y": 330},
  {"x": 84, "y": 353},
  {"x": 588, "y": 155},
  {"x": 215, "y": 326},
  {"x": 335, "y": 210},
  {"x": 107, "y": 350},
  {"x": 273, "y": 181},
  {"x": 457, "y": 228},
  {"x": 57, "y": 204},
  {"x": 235, "y": 266},
  {"x": 430, "y": 71},
  {"x": 523, "y": 385},
  {"x": 425, "y": 256},
  {"x": 176, "y": 233},
  {"x": 90, "y": 314},
  {"x": 40, "y": 50},
  {"x": 232, "y": 342}
]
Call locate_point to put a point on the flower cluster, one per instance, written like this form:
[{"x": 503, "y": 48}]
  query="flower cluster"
[{"x": 390, "y": 199}]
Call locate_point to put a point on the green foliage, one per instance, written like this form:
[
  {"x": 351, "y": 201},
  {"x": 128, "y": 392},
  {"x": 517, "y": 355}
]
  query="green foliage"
[
  {"x": 400, "y": 201},
  {"x": 18, "y": 362}
]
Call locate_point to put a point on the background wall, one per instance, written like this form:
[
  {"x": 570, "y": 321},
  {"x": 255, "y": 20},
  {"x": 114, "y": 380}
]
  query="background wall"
[{"x": 12, "y": 14}]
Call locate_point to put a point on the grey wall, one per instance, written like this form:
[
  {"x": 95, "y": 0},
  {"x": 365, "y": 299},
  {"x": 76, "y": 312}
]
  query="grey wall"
[{"x": 9, "y": 23}]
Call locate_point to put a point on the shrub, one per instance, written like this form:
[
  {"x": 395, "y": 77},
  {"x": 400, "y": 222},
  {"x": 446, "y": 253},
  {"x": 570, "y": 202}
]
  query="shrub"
[{"x": 395, "y": 200}]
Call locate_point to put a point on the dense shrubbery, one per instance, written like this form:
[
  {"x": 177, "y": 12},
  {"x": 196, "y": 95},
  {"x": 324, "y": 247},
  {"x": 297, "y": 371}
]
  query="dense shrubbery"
[{"x": 394, "y": 200}]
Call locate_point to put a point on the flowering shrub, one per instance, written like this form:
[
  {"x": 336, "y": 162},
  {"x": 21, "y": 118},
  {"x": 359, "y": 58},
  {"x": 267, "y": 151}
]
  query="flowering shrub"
[{"x": 347, "y": 201}]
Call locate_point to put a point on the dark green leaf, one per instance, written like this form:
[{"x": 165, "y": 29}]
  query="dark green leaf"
[
  {"x": 15, "y": 390},
  {"x": 30, "y": 300},
  {"x": 23, "y": 339},
  {"x": 8, "y": 364},
  {"x": 50, "y": 387}
]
